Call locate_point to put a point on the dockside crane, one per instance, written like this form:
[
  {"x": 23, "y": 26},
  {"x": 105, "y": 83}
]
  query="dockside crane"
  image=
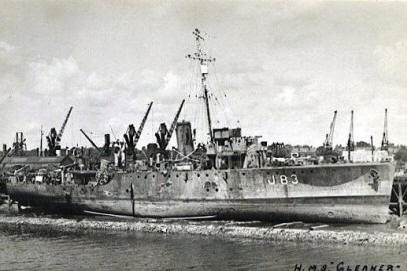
[
  {"x": 91, "y": 141},
  {"x": 19, "y": 146},
  {"x": 328, "y": 144},
  {"x": 351, "y": 142},
  {"x": 61, "y": 131},
  {"x": 5, "y": 155},
  {"x": 54, "y": 138},
  {"x": 385, "y": 140},
  {"x": 51, "y": 140},
  {"x": 131, "y": 136},
  {"x": 163, "y": 135}
]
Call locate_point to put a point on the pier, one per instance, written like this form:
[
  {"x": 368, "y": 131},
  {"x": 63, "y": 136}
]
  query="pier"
[{"x": 398, "y": 197}]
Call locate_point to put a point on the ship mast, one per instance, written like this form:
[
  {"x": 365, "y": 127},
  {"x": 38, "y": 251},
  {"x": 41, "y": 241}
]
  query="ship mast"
[
  {"x": 201, "y": 56},
  {"x": 351, "y": 142},
  {"x": 42, "y": 133}
]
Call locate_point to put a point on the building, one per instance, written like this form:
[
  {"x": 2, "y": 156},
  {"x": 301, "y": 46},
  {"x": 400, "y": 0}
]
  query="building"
[
  {"x": 37, "y": 162},
  {"x": 366, "y": 155}
]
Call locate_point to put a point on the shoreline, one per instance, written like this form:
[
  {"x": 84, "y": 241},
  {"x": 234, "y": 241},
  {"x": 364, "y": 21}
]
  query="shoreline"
[{"x": 214, "y": 228}]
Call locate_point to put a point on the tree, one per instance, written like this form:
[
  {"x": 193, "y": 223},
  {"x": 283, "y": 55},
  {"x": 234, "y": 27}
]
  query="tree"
[
  {"x": 362, "y": 144},
  {"x": 401, "y": 154}
]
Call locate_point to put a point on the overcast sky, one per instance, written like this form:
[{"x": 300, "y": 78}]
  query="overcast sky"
[{"x": 284, "y": 67}]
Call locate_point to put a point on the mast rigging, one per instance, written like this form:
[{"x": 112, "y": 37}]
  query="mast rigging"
[{"x": 202, "y": 57}]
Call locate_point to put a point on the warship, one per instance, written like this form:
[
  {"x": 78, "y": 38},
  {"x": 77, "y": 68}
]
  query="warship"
[{"x": 230, "y": 177}]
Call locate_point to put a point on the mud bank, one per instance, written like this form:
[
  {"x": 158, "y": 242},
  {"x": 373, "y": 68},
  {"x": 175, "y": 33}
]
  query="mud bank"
[{"x": 209, "y": 229}]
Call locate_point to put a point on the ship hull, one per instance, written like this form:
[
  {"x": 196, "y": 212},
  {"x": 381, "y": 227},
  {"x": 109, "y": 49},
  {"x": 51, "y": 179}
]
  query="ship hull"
[{"x": 342, "y": 193}]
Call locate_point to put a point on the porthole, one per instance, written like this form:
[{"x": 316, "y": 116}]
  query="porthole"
[
  {"x": 207, "y": 175},
  {"x": 217, "y": 190},
  {"x": 198, "y": 175},
  {"x": 177, "y": 175},
  {"x": 207, "y": 190},
  {"x": 243, "y": 173}
]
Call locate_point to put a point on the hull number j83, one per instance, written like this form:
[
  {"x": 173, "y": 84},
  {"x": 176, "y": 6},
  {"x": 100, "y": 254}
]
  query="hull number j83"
[{"x": 283, "y": 179}]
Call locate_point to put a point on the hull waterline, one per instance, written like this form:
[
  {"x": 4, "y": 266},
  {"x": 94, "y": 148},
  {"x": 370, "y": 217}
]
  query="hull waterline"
[{"x": 331, "y": 193}]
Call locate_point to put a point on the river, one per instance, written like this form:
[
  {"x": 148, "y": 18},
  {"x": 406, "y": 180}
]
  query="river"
[{"x": 31, "y": 250}]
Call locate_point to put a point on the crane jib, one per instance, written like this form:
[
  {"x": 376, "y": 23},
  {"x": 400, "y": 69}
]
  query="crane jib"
[{"x": 61, "y": 131}]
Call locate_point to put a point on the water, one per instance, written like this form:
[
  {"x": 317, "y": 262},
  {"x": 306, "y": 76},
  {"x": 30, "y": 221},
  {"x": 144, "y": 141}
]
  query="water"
[{"x": 33, "y": 250}]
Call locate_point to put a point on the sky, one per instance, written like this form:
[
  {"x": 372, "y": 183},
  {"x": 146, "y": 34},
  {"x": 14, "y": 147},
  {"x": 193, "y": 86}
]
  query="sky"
[{"x": 281, "y": 69}]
